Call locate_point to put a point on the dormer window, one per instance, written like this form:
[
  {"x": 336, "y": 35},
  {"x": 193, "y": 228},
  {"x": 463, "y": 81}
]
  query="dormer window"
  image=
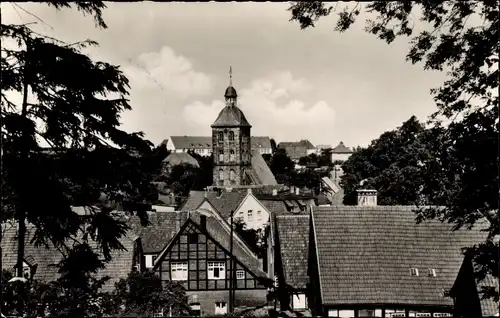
[
  {"x": 231, "y": 136},
  {"x": 432, "y": 272},
  {"x": 221, "y": 136},
  {"x": 414, "y": 271}
]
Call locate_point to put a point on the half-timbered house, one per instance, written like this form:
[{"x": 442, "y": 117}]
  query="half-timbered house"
[{"x": 199, "y": 257}]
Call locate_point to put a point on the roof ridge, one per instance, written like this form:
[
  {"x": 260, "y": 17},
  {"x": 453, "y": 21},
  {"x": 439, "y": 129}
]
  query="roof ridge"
[{"x": 292, "y": 216}]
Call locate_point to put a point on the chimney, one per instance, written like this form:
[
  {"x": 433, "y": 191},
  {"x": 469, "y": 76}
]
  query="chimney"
[
  {"x": 275, "y": 192},
  {"x": 249, "y": 190},
  {"x": 203, "y": 222},
  {"x": 367, "y": 197}
]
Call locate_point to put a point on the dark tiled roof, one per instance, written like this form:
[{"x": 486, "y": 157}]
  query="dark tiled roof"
[
  {"x": 260, "y": 172},
  {"x": 227, "y": 202},
  {"x": 195, "y": 198},
  {"x": 275, "y": 207},
  {"x": 260, "y": 142},
  {"x": 293, "y": 151},
  {"x": 163, "y": 227},
  {"x": 46, "y": 258},
  {"x": 365, "y": 255},
  {"x": 177, "y": 158},
  {"x": 191, "y": 142},
  {"x": 231, "y": 116},
  {"x": 341, "y": 148},
  {"x": 293, "y": 237},
  {"x": 204, "y": 142}
]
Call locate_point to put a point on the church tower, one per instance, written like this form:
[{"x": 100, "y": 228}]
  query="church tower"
[{"x": 231, "y": 142}]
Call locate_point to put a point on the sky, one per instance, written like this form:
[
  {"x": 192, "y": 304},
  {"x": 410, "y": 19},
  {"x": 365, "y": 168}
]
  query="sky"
[{"x": 292, "y": 84}]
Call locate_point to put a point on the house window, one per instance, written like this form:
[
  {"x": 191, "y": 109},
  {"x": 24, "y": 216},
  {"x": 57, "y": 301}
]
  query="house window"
[
  {"x": 340, "y": 313},
  {"x": 250, "y": 215},
  {"x": 221, "y": 174},
  {"x": 299, "y": 301},
  {"x": 179, "y": 271},
  {"x": 216, "y": 270},
  {"x": 195, "y": 309},
  {"x": 240, "y": 274},
  {"x": 220, "y": 308},
  {"x": 192, "y": 238},
  {"x": 232, "y": 175},
  {"x": 231, "y": 135},
  {"x": 414, "y": 271},
  {"x": 432, "y": 272},
  {"x": 221, "y": 155},
  {"x": 231, "y": 155},
  {"x": 259, "y": 215},
  {"x": 221, "y": 136}
]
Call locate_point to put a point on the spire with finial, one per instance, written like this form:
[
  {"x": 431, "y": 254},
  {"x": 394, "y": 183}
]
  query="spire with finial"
[{"x": 230, "y": 93}]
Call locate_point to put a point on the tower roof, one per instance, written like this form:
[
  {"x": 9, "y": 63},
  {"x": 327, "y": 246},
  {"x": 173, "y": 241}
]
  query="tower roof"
[
  {"x": 230, "y": 92},
  {"x": 231, "y": 116}
]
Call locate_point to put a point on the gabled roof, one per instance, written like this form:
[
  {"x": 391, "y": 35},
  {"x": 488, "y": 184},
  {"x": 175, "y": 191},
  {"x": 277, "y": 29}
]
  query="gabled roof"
[
  {"x": 46, "y": 259},
  {"x": 231, "y": 116},
  {"x": 303, "y": 143},
  {"x": 162, "y": 228},
  {"x": 260, "y": 142},
  {"x": 365, "y": 255},
  {"x": 177, "y": 158},
  {"x": 192, "y": 142},
  {"x": 222, "y": 236},
  {"x": 195, "y": 198},
  {"x": 260, "y": 173},
  {"x": 341, "y": 148},
  {"x": 227, "y": 202},
  {"x": 293, "y": 150},
  {"x": 293, "y": 238}
]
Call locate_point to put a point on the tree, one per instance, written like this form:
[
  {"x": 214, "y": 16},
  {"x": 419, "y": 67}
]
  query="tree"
[
  {"x": 142, "y": 295},
  {"x": 281, "y": 164},
  {"x": 463, "y": 42},
  {"x": 392, "y": 165},
  {"x": 273, "y": 145},
  {"x": 325, "y": 158},
  {"x": 73, "y": 105}
]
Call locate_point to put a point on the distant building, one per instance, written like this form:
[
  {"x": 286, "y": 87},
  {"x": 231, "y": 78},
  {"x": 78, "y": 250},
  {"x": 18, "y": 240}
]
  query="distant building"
[
  {"x": 320, "y": 148},
  {"x": 341, "y": 152},
  {"x": 298, "y": 149},
  {"x": 175, "y": 159},
  {"x": 202, "y": 145},
  {"x": 236, "y": 161}
]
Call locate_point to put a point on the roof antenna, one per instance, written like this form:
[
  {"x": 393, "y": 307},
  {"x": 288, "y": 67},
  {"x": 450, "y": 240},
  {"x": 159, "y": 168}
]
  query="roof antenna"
[{"x": 230, "y": 76}]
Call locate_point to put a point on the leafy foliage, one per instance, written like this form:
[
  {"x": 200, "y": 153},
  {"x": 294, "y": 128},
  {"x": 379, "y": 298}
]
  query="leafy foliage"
[
  {"x": 281, "y": 165},
  {"x": 73, "y": 105},
  {"x": 392, "y": 164},
  {"x": 463, "y": 42},
  {"x": 142, "y": 295},
  {"x": 255, "y": 239}
]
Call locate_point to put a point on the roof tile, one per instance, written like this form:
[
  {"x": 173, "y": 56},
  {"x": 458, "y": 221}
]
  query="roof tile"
[{"x": 365, "y": 255}]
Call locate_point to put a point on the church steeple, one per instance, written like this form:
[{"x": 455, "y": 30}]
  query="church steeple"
[{"x": 230, "y": 93}]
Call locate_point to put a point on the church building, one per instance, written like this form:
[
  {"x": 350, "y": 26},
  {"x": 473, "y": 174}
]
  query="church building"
[{"x": 235, "y": 163}]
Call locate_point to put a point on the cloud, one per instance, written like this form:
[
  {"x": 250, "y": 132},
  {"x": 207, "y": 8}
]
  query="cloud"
[
  {"x": 167, "y": 70},
  {"x": 272, "y": 107}
]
